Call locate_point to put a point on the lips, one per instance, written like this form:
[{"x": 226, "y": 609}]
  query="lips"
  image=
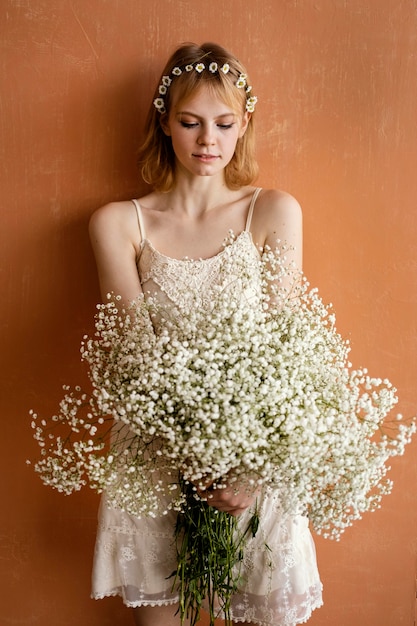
[{"x": 206, "y": 158}]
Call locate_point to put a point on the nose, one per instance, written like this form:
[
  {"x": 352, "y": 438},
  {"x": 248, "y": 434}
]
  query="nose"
[{"x": 206, "y": 136}]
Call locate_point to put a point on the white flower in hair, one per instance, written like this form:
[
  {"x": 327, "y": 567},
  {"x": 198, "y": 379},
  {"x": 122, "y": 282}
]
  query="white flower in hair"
[
  {"x": 200, "y": 67},
  {"x": 250, "y": 104},
  {"x": 159, "y": 104},
  {"x": 241, "y": 81}
]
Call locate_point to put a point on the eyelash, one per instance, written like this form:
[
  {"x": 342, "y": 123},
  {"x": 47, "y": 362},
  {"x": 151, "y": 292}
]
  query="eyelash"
[{"x": 195, "y": 124}]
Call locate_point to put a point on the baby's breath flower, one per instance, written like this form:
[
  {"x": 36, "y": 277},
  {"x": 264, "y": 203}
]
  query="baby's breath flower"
[{"x": 256, "y": 385}]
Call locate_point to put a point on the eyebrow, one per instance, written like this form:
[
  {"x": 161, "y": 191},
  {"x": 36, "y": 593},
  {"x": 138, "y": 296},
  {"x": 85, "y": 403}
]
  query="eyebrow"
[{"x": 231, "y": 114}]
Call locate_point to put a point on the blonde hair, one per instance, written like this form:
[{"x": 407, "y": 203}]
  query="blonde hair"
[{"x": 156, "y": 155}]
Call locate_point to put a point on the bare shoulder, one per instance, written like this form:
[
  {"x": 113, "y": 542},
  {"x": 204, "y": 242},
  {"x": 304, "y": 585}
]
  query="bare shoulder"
[
  {"x": 112, "y": 218},
  {"x": 275, "y": 203},
  {"x": 277, "y": 216}
]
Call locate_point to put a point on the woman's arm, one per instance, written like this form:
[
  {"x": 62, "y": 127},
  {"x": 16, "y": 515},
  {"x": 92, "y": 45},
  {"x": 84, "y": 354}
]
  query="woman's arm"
[{"x": 115, "y": 239}]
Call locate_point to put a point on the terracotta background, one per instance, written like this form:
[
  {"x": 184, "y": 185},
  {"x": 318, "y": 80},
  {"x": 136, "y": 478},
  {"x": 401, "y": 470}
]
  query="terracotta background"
[{"x": 337, "y": 127}]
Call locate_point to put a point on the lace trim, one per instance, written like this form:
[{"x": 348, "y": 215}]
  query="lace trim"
[
  {"x": 192, "y": 282},
  {"x": 315, "y": 603},
  {"x": 133, "y": 604}
]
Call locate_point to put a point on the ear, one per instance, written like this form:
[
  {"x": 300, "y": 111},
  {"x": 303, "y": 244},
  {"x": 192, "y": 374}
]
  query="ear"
[
  {"x": 164, "y": 121},
  {"x": 245, "y": 123}
]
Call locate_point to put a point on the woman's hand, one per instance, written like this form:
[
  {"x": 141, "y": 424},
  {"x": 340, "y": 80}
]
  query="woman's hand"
[{"x": 233, "y": 498}]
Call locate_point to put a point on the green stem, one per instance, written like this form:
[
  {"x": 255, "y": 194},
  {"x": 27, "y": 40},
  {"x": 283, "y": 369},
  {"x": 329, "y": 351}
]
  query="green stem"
[{"x": 209, "y": 553}]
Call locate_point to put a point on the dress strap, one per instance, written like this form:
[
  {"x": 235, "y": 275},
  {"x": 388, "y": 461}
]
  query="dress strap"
[
  {"x": 140, "y": 220},
  {"x": 251, "y": 207}
]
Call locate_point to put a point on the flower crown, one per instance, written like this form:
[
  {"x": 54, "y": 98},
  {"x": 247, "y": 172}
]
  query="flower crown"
[{"x": 159, "y": 103}]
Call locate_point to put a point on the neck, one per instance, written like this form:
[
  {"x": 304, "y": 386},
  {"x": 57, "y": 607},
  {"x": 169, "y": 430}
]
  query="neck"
[{"x": 195, "y": 196}]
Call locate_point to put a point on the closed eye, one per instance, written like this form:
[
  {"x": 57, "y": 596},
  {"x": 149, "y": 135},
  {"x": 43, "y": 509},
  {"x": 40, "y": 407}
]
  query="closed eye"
[
  {"x": 189, "y": 124},
  {"x": 195, "y": 124}
]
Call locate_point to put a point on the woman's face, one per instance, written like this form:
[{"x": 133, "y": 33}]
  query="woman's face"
[{"x": 204, "y": 132}]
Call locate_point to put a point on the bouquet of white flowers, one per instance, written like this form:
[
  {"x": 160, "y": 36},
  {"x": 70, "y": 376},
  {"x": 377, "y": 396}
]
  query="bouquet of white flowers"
[{"x": 258, "y": 390}]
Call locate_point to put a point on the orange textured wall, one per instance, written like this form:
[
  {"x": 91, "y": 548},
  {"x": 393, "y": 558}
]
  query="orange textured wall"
[{"x": 337, "y": 85}]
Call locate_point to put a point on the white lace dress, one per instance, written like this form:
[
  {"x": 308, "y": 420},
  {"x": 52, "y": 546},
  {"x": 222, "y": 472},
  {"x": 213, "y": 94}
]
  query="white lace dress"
[{"x": 135, "y": 557}]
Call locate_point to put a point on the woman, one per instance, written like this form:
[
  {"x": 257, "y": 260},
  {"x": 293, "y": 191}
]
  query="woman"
[{"x": 198, "y": 155}]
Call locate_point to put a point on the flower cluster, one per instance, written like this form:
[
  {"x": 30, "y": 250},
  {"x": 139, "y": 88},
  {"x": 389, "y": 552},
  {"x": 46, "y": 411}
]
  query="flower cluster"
[
  {"x": 241, "y": 83},
  {"x": 260, "y": 390}
]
